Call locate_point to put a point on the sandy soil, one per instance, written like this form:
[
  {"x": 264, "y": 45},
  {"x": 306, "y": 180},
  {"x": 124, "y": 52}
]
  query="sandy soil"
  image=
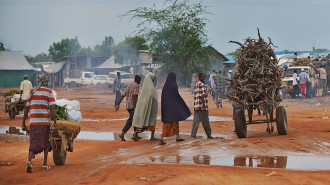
[{"x": 193, "y": 161}]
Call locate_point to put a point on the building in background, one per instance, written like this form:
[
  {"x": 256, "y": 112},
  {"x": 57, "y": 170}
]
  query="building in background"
[{"x": 13, "y": 67}]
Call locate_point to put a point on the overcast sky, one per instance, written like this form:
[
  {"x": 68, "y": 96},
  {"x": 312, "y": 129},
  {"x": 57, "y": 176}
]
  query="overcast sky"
[{"x": 32, "y": 26}]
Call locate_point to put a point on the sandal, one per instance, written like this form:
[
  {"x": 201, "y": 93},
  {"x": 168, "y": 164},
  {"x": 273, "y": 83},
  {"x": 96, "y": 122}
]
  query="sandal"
[
  {"x": 135, "y": 138},
  {"x": 29, "y": 167},
  {"x": 122, "y": 137},
  {"x": 161, "y": 142},
  {"x": 46, "y": 167},
  {"x": 178, "y": 140}
]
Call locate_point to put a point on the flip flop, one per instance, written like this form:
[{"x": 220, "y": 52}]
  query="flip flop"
[
  {"x": 179, "y": 140},
  {"x": 161, "y": 142},
  {"x": 135, "y": 139},
  {"x": 46, "y": 167},
  {"x": 29, "y": 167},
  {"x": 122, "y": 137}
]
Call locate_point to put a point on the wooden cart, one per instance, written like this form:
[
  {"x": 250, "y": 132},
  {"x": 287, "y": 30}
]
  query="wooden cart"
[
  {"x": 13, "y": 108},
  {"x": 280, "y": 119}
]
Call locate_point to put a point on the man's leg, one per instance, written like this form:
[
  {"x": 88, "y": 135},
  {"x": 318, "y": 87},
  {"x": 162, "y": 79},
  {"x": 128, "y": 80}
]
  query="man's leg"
[
  {"x": 29, "y": 164},
  {"x": 45, "y": 157},
  {"x": 217, "y": 98},
  {"x": 196, "y": 122},
  {"x": 128, "y": 124},
  {"x": 204, "y": 115},
  {"x": 118, "y": 95}
]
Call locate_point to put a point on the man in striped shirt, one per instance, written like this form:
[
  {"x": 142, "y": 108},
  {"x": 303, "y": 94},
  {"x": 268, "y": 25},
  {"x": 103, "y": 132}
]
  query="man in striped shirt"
[
  {"x": 201, "y": 113},
  {"x": 39, "y": 101}
]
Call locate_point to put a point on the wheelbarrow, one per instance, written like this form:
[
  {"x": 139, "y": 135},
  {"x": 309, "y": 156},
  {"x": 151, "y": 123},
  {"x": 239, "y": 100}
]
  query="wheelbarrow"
[{"x": 13, "y": 108}]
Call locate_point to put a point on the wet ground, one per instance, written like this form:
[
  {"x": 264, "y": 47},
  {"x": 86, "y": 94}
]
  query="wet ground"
[{"x": 99, "y": 157}]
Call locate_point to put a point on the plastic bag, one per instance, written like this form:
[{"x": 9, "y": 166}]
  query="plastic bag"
[
  {"x": 74, "y": 116},
  {"x": 73, "y": 105},
  {"x": 61, "y": 102}
]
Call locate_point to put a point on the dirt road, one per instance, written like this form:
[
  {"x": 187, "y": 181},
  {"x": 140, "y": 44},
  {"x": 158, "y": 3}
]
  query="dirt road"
[{"x": 301, "y": 157}]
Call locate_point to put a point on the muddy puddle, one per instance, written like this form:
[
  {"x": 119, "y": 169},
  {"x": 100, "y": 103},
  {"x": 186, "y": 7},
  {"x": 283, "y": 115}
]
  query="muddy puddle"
[
  {"x": 280, "y": 162},
  {"x": 211, "y": 118},
  {"x": 109, "y": 136}
]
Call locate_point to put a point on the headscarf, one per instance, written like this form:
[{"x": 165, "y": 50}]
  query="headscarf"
[
  {"x": 42, "y": 82},
  {"x": 173, "y": 107},
  {"x": 147, "y": 105}
]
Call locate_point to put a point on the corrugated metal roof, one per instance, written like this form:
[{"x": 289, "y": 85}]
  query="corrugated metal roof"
[
  {"x": 110, "y": 64},
  {"x": 55, "y": 67},
  {"x": 14, "y": 60}
]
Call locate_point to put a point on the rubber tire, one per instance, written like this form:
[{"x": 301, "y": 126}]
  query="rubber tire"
[
  {"x": 281, "y": 121},
  {"x": 11, "y": 114},
  {"x": 72, "y": 85},
  {"x": 240, "y": 124},
  {"x": 58, "y": 160}
]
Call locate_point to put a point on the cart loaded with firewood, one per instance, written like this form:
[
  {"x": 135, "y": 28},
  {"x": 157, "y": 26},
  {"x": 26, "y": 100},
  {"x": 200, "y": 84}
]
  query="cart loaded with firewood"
[
  {"x": 256, "y": 83},
  {"x": 13, "y": 102}
]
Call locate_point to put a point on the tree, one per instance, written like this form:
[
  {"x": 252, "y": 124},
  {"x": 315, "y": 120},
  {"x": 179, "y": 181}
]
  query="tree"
[
  {"x": 67, "y": 47},
  {"x": 106, "y": 48},
  {"x": 127, "y": 50},
  {"x": 85, "y": 52},
  {"x": 177, "y": 36},
  {"x": 2, "y": 48}
]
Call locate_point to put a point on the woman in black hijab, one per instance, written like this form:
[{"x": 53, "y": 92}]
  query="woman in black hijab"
[{"x": 173, "y": 109}]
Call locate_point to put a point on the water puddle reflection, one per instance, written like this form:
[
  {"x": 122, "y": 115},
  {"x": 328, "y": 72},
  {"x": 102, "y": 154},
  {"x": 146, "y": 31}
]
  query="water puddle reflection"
[
  {"x": 211, "y": 118},
  {"x": 283, "y": 162}
]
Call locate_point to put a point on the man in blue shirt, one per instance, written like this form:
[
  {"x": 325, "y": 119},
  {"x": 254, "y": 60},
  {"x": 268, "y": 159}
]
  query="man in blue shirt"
[{"x": 303, "y": 81}]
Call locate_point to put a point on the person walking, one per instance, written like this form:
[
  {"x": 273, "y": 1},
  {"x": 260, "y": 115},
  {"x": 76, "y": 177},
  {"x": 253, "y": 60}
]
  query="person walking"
[
  {"x": 117, "y": 86},
  {"x": 38, "y": 103},
  {"x": 323, "y": 77},
  {"x": 201, "y": 113},
  {"x": 212, "y": 84},
  {"x": 303, "y": 81},
  {"x": 173, "y": 109},
  {"x": 295, "y": 84},
  {"x": 131, "y": 92},
  {"x": 25, "y": 89},
  {"x": 219, "y": 82},
  {"x": 146, "y": 108}
]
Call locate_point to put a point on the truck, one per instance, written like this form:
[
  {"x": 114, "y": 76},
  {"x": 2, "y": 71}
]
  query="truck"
[
  {"x": 287, "y": 81},
  {"x": 85, "y": 79}
]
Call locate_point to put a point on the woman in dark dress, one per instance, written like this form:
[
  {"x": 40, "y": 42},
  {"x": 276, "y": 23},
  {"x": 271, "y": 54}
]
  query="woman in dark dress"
[{"x": 173, "y": 109}]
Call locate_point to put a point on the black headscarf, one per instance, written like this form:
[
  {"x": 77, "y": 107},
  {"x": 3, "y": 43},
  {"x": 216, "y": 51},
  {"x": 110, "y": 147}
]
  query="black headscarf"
[{"x": 173, "y": 107}]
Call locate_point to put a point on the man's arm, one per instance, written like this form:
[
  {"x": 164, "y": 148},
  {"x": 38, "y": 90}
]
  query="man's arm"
[
  {"x": 121, "y": 99},
  {"x": 53, "y": 116},
  {"x": 135, "y": 98},
  {"x": 114, "y": 85}
]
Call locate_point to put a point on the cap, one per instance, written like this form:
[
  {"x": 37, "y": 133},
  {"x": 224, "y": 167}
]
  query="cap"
[
  {"x": 302, "y": 69},
  {"x": 230, "y": 71}
]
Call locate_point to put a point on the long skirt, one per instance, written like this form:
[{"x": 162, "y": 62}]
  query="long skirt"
[
  {"x": 39, "y": 138},
  {"x": 150, "y": 128},
  {"x": 170, "y": 129}
]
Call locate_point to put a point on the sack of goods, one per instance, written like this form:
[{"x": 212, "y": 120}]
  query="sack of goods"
[
  {"x": 15, "y": 98},
  {"x": 257, "y": 75},
  {"x": 70, "y": 128},
  {"x": 72, "y": 108}
]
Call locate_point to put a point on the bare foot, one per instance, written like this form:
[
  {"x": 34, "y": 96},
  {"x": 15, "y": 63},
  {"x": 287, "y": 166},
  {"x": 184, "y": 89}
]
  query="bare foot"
[{"x": 122, "y": 137}]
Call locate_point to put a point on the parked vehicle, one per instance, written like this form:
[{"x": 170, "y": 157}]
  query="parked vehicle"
[
  {"x": 287, "y": 81},
  {"x": 86, "y": 78},
  {"x": 126, "y": 78},
  {"x": 100, "y": 79}
]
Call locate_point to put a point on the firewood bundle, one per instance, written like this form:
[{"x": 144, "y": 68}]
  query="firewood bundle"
[{"x": 257, "y": 75}]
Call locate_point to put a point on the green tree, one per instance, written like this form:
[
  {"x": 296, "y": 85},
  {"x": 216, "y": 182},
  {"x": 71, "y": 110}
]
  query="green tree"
[
  {"x": 106, "y": 48},
  {"x": 2, "y": 48},
  {"x": 127, "y": 50},
  {"x": 42, "y": 57},
  {"x": 85, "y": 52},
  {"x": 177, "y": 35},
  {"x": 66, "y": 47}
]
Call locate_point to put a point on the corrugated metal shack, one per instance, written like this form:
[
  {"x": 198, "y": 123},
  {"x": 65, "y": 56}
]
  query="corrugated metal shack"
[{"x": 13, "y": 67}]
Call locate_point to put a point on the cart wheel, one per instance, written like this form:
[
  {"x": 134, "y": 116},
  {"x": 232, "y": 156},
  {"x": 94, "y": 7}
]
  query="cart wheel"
[
  {"x": 58, "y": 160},
  {"x": 281, "y": 121},
  {"x": 11, "y": 114},
  {"x": 240, "y": 124}
]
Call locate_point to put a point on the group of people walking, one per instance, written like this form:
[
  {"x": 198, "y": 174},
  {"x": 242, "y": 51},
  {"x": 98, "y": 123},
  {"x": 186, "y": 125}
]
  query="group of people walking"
[{"x": 142, "y": 106}]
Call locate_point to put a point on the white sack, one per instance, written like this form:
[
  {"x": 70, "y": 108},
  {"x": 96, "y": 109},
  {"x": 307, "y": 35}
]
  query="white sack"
[
  {"x": 61, "y": 102},
  {"x": 73, "y": 105},
  {"x": 74, "y": 116}
]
